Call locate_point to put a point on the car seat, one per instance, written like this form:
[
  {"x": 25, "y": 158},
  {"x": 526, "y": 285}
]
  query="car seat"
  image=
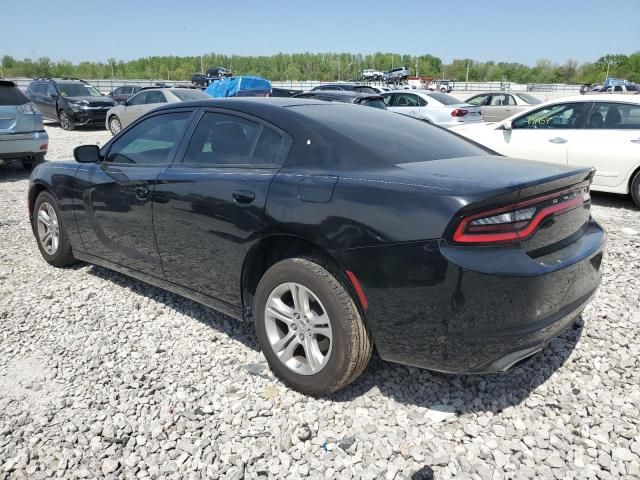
[
  {"x": 596, "y": 120},
  {"x": 613, "y": 117}
]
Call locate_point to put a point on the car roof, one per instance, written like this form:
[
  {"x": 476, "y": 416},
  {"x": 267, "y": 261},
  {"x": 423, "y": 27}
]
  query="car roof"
[
  {"x": 341, "y": 93},
  {"x": 596, "y": 97}
]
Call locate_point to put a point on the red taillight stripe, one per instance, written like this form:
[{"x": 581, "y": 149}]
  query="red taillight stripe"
[
  {"x": 461, "y": 236},
  {"x": 359, "y": 291}
]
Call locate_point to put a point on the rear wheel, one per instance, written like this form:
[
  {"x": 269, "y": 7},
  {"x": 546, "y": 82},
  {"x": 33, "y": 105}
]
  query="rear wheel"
[
  {"x": 635, "y": 189},
  {"x": 114, "y": 125},
  {"x": 309, "y": 327},
  {"x": 50, "y": 231},
  {"x": 65, "y": 121}
]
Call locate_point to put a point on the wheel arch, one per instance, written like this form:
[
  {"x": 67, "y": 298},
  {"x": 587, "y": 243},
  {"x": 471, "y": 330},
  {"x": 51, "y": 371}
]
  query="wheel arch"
[
  {"x": 634, "y": 172},
  {"x": 274, "y": 248},
  {"x": 34, "y": 192}
]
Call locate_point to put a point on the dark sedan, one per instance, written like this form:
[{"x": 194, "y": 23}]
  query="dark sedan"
[
  {"x": 366, "y": 99},
  {"x": 335, "y": 228}
]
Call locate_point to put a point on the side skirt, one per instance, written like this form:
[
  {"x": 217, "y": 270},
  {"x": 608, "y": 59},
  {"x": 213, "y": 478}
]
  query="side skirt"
[{"x": 233, "y": 311}]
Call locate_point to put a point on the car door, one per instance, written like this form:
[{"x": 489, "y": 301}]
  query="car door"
[
  {"x": 610, "y": 143},
  {"x": 47, "y": 98},
  {"x": 114, "y": 217},
  {"x": 406, "y": 104},
  {"x": 208, "y": 207},
  {"x": 481, "y": 101},
  {"x": 140, "y": 104},
  {"x": 542, "y": 135}
]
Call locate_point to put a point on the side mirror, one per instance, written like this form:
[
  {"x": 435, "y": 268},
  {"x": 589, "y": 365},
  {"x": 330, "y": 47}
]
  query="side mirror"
[
  {"x": 507, "y": 125},
  {"x": 125, "y": 103},
  {"x": 87, "y": 154}
]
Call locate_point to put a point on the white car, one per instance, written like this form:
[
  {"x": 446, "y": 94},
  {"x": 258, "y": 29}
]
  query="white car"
[
  {"x": 601, "y": 131},
  {"x": 496, "y": 106},
  {"x": 434, "y": 107}
]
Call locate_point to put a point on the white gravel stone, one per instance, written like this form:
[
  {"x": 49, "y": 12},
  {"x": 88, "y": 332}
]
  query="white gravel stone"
[{"x": 102, "y": 375}]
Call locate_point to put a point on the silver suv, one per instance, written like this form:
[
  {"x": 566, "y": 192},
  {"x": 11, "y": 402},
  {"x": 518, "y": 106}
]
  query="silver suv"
[
  {"x": 22, "y": 135},
  {"x": 396, "y": 75}
]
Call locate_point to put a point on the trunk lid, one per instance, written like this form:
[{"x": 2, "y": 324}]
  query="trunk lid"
[{"x": 12, "y": 121}]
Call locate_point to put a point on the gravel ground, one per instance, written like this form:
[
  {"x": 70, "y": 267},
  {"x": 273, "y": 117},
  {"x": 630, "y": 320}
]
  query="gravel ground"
[{"x": 104, "y": 376}]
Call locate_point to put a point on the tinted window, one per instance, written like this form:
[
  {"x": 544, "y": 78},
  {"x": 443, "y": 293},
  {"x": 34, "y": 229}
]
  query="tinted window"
[
  {"x": 374, "y": 102},
  {"x": 186, "y": 95},
  {"x": 10, "y": 95},
  {"x": 616, "y": 116},
  {"x": 155, "y": 96},
  {"x": 478, "y": 100},
  {"x": 502, "y": 99},
  {"x": 564, "y": 115},
  {"x": 269, "y": 148},
  {"x": 32, "y": 87},
  {"x": 151, "y": 141},
  {"x": 51, "y": 91},
  {"x": 617, "y": 88},
  {"x": 42, "y": 89},
  {"x": 387, "y": 99},
  {"x": 632, "y": 88},
  {"x": 221, "y": 139},
  {"x": 530, "y": 99},
  {"x": 364, "y": 90},
  {"x": 362, "y": 138},
  {"x": 138, "y": 99},
  {"x": 444, "y": 98}
]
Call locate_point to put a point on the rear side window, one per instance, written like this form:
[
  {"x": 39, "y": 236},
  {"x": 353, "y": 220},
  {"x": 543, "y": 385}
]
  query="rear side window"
[
  {"x": 374, "y": 102},
  {"x": 11, "y": 95},
  {"x": 444, "y": 98},
  {"x": 32, "y": 87},
  {"x": 187, "y": 95},
  {"x": 151, "y": 141},
  {"x": 155, "y": 96},
  {"x": 616, "y": 116},
  {"x": 223, "y": 140}
]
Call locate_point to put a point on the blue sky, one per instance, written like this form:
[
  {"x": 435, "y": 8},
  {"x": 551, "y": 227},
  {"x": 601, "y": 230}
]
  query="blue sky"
[{"x": 522, "y": 31}]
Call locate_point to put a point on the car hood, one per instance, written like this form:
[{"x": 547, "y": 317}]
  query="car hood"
[{"x": 106, "y": 101}]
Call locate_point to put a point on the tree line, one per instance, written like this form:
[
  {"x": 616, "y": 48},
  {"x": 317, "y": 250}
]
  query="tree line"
[{"x": 329, "y": 67}]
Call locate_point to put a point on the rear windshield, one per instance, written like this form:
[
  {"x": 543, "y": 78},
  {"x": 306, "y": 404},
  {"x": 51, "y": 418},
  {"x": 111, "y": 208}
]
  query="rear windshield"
[
  {"x": 186, "y": 95},
  {"x": 384, "y": 138},
  {"x": 444, "y": 98},
  {"x": 531, "y": 100},
  {"x": 375, "y": 103},
  {"x": 11, "y": 95}
]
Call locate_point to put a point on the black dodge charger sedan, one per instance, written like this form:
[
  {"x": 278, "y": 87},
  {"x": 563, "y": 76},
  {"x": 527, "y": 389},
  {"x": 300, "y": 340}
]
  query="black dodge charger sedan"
[{"x": 335, "y": 228}]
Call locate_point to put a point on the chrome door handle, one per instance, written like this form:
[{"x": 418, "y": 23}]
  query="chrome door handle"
[
  {"x": 558, "y": 140},
  {"x": 635, "y": 140}
]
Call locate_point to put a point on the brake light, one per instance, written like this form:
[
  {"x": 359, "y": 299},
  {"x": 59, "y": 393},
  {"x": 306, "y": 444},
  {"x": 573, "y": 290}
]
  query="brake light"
[
  {"x": 518, "y": 221},
  {"x": 459, "y": 112}
]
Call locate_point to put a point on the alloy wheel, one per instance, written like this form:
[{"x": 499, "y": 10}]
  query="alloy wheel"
[
  {"x": 298, "y": 328},
  {"x": 115, "y": 126},
  {"x": 48, "y": 228},
  {"x": 64, "y": 121}
]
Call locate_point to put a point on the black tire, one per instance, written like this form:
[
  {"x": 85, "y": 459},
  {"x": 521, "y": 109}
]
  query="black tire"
[
  {"x": 635, "y": 189},
  {"x": 65, "y": 121},
  {"x": 351, "y": 343},
  {"x": 63, "y": 256},
  {"x": 115, "y": 125}
]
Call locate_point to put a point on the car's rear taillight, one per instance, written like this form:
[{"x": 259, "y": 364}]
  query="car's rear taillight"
[
  {"x": 459, "y": 112},
  {"x": 519, "y": 221}
]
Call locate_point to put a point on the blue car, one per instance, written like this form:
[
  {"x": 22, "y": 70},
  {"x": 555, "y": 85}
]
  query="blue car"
[{"x": 22, "y": 135}]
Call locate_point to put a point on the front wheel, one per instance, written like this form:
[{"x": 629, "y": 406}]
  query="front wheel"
[
  {"x": 114, "y": 125},
  {"x": 50, "y": 231},
  {"x": 309, "y": 327},
  {"x": 635, "y": 189},
  {"x": 65, "y": 121}
]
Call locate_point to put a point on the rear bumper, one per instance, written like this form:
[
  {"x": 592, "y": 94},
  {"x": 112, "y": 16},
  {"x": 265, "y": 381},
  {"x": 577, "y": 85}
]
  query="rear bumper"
[
  {"x": 23, "y": 144},
  {"x": 473, "y": 309}
]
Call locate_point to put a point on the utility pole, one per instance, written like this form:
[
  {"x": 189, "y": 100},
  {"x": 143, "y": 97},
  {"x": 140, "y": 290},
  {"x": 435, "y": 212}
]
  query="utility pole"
[
  {"x": 608, "y": 65},
  {"x": 201, "y": 65},
  {"x": 466, "y": 87}
]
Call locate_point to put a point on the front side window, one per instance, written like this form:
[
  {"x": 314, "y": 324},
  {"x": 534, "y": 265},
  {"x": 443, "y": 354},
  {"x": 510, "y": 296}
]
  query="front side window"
[
  {"x": 151, "y": 141},
  {"x": 406, "y": 100},
  {"x": 387, "y": 99},
  {"x": 563, "y": 115},
  {"x": 51, "y": 91},
  {"x": 139, "y": 99},
  {"x": 42, "y": 89},
  {"x": 221, "y": 139}
]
